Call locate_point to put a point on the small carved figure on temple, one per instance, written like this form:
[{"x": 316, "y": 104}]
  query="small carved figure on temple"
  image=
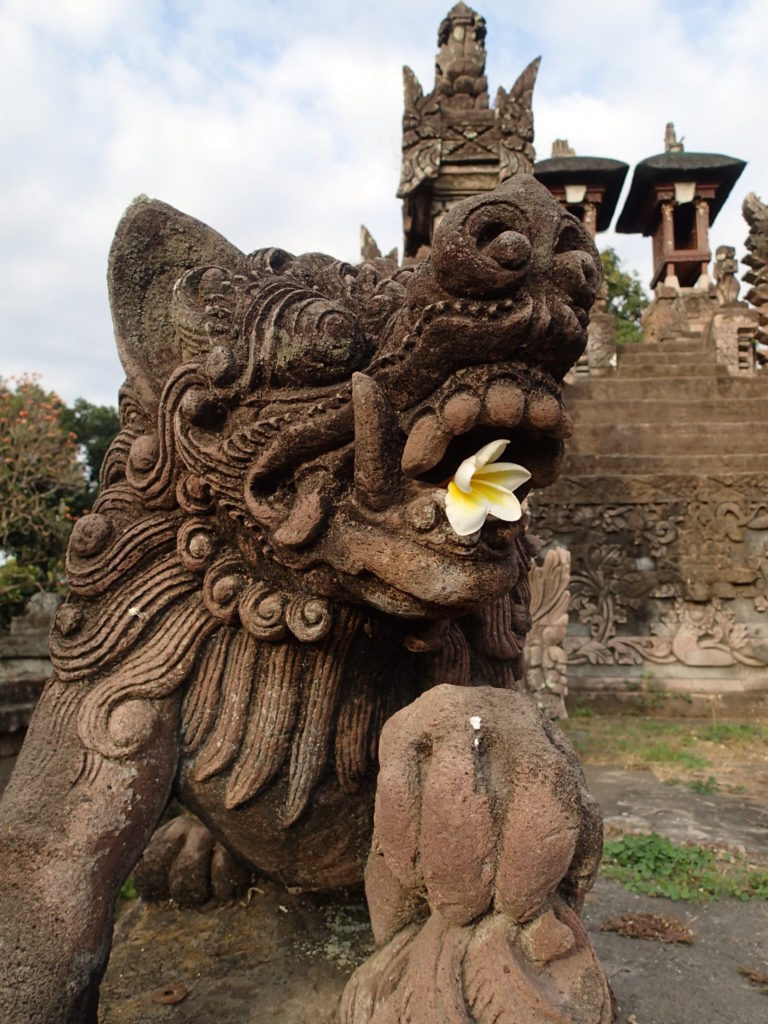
[
  {"x": 561, "y": 148},
  {"x": 724, "y": 270},
  {"x": 671, "y": 142}
]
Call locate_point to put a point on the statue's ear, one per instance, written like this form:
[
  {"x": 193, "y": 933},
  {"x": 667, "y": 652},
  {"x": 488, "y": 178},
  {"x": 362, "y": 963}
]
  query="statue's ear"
[{"x": 154, "y": 246}]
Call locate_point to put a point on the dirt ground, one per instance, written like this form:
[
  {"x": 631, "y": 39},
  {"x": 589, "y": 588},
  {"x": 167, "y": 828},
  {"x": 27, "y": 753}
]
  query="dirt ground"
[
  {"x": 728, "y": 757},
  {"x": 257, "y": 963}
]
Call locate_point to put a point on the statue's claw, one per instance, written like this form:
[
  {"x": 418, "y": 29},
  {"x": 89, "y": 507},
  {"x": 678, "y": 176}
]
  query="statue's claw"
[{"x": 184, "y": 862}]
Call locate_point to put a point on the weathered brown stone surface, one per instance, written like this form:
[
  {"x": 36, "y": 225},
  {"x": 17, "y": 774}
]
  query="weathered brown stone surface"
[
  {"x": 485, "y": 845},
  {"x": 268, "y": 573}
]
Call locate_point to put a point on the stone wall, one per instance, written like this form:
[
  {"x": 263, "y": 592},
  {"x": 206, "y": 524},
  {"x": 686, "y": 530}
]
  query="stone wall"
[
  {"x": 663, "y": 505},
  {"x": 24, "y": 668}
]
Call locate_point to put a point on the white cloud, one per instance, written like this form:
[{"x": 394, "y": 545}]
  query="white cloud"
[{"x": 279, "y": 123}]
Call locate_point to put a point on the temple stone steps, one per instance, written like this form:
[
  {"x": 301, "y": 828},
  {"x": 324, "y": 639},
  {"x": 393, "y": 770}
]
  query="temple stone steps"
[
  {"x": 678, "y": 388},
  {"x": 669, "y": 409},
  {"x": 658, "y": 411},
  {"x": 624, "y": 464},
  {"x": 662, "y": 438},
  {"x": 639, "y": 354},
  {"x": 693, "y": 366}
]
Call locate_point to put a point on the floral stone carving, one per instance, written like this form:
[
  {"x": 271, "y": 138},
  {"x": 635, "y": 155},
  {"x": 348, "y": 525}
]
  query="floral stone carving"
[
  {"x": 268, "y": 573},
  {"x": 687, "y": 555},
  {"x": 546, "y": 659}
]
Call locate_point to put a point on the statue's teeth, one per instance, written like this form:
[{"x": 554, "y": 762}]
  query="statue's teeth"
[
  {"x": 564, "y": 429},
  {"x": 425, "y": 446},
  {"x": 543, "y": 411},
  {"x": 504, "y": 403},
  {"x": 377, "y": 441},
  {"x": 460, "y": 412}
]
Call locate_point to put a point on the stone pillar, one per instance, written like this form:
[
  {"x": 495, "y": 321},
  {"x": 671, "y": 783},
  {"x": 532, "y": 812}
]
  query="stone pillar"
[
  {"x": 668, "y": 243},
  {"x": 702, "y": 241}
]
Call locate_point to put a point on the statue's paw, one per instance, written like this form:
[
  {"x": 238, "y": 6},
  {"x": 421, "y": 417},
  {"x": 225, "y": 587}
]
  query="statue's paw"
[
  {"x": 184, "y": 862},
  {"x": 479, "y": 806},
  {"x": 485, "y": 842}
]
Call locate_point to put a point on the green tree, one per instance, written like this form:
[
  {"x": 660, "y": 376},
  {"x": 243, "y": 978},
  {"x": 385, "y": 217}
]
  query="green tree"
[
  {"x": 627, "y": 298},
  {"x": 41, "y": 480},
  {"x": 95, "y": 428}
]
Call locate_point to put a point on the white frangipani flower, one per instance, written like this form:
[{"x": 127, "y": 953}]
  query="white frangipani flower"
[{"x": 482, "y": 487}]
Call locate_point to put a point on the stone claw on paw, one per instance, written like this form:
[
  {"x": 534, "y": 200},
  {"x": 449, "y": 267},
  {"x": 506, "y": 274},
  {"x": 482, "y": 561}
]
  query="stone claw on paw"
[{"x": 184, "y": 862}]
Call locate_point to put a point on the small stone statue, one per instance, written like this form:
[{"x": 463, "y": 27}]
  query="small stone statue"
[
  {"x": 269, "y": 574},
  {"x": 671, "y": 142},
  {"x": 725, "y": 269}
]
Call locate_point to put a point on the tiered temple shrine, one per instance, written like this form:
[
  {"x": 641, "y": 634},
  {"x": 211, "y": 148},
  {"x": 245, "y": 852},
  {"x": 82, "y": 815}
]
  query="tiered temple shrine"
[
  {"x": 675, "y": 197},
  {"x": 454, "y": 144},
  {"x": 588, "y": 186}
]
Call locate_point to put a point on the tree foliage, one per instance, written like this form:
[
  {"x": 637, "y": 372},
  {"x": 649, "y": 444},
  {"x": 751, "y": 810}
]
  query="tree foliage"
[
  {"x": 627, "y": 298},
  {"x": 39, "y": 475},
  {"x": 49, "y": 462},
  {"x": 94, "y": 428}
]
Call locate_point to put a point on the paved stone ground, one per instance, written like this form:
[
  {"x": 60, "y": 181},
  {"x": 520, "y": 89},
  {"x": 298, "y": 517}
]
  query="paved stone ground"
[
  {"x": 285, "y": 959},
  {"x": 680, "y": 984}
]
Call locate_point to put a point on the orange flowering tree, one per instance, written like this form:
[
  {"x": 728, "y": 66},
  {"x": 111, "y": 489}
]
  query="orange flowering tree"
[{"x": 41, "y": 477}]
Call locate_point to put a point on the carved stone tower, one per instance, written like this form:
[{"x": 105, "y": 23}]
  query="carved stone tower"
[{"x": 454, "y": 144}]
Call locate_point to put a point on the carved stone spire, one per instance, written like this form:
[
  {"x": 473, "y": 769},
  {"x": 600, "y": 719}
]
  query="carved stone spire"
[
  {"x": 460, "y": 79},
  {"x": 454, "y": 144}
]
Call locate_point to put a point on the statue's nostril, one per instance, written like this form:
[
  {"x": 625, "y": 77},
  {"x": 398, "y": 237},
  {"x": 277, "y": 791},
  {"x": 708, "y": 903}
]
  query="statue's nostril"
[{"x": 510, "y": 249}]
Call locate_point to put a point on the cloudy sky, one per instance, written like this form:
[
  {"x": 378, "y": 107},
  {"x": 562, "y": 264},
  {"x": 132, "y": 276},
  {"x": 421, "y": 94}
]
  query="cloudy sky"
[{"x": 279, "y": 123}]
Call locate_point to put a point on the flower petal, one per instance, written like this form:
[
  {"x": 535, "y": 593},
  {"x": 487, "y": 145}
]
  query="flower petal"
[
  {"x": 506, "y": 474},
  {"x": 463, "y": 475},
  {"x": 501, "y": 503},
  {"x": 465, "y": 512},
  {"x": 490, "y": 452}
]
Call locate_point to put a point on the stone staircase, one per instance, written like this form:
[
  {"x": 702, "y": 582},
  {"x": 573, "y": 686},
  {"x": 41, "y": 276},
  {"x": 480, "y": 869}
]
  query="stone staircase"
[
  {"x": 669, "y": 408},
  {"x": 663, "y": 506}
]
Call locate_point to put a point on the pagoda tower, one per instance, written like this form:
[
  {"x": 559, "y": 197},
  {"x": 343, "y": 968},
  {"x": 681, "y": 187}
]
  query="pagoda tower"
[
  {"x": 588, "y": 186},
  {"x": 675, "y": 197}
]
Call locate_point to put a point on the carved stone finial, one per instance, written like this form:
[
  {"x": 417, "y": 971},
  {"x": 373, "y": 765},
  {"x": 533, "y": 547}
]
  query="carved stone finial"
[
  {"x": 369, "y": 249},
  {"x": 671, "y": 143},
  {"x": 460, "y": 79},
  {"x": 560, "y": 147}
]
